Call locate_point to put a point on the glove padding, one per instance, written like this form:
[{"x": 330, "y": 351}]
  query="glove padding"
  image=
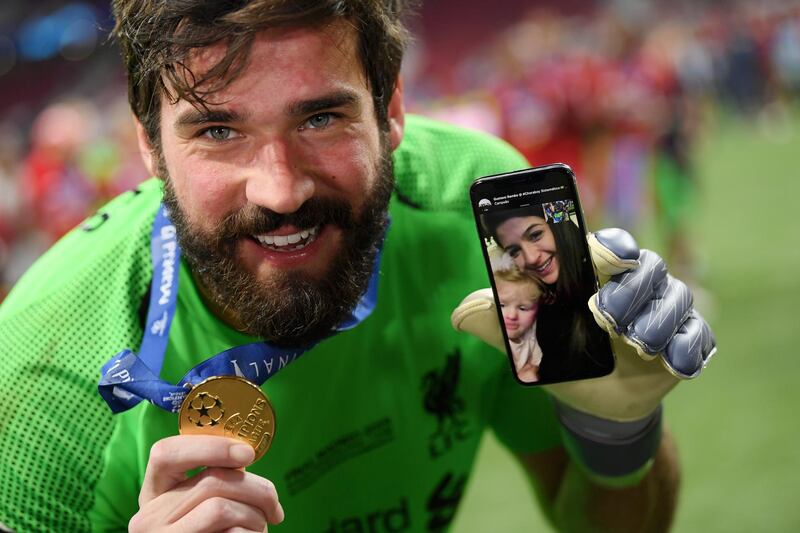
[{"x": 649, "y": 315}]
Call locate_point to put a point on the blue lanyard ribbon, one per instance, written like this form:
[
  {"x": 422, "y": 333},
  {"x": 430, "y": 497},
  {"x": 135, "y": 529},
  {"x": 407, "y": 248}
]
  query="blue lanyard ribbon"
[{"x": 128, "y": 378}]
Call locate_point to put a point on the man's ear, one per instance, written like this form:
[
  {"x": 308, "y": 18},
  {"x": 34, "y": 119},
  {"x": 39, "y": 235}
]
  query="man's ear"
[
  {"x": 145, "y": 149},
  {"x": 397, "y": 115}
]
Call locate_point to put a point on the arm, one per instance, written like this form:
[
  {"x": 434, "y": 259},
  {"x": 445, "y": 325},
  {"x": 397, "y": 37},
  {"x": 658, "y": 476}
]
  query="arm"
[
  {"x": 572, "y": 501},
  {"x": 611, "y": 425}
]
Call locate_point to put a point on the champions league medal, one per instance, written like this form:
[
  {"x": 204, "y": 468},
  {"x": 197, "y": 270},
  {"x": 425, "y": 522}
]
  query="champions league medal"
[{"x": 229, "y": 406}]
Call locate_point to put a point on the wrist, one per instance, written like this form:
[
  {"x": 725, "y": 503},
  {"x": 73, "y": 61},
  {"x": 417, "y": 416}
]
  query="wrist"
[{"x": 611, "y": 453}]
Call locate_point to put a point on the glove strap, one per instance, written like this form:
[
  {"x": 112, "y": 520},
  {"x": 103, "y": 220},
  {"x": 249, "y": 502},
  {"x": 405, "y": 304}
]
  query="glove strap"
[{"x": 613, "y": 453}]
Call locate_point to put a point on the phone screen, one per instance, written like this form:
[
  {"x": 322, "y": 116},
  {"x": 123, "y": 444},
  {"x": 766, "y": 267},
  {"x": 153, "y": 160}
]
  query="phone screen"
[{"x": 534, "y": 243}]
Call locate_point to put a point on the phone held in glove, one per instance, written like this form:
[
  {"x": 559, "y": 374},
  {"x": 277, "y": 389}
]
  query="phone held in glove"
[{"x": 534, "y": 243}]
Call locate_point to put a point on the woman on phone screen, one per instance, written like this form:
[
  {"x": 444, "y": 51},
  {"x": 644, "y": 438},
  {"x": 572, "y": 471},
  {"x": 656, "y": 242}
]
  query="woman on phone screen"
[{"x": 552, "y": 253}]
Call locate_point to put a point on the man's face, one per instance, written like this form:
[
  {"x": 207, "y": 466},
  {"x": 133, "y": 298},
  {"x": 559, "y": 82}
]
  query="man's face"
[{"x": 279, "y": 189}]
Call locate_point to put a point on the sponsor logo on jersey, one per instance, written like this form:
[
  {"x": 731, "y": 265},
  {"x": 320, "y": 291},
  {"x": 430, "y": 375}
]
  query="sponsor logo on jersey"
[
  {"x": 443, "y": 502},
  {"x": 390, "y": 520},
  {"x": 441, "y": 400}
]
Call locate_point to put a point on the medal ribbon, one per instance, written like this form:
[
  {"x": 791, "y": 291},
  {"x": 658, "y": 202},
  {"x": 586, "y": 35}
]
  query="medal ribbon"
[{"x": 128, "y": 378}]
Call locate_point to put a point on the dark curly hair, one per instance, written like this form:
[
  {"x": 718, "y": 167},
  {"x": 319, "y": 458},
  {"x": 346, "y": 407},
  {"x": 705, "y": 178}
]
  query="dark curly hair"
[{"x": 156, "y": 37}]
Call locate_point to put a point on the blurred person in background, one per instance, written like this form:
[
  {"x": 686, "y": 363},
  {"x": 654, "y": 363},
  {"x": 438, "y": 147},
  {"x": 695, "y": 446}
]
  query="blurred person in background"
[
  {"x": 57, "y": 193},
  {"x": 10, "y": 152},
  {"x": 675, "y": 184},
  {"x": 785, "y": 57}
]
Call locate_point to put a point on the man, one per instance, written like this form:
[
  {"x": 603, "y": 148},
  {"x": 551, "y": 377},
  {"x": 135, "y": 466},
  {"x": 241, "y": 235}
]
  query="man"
[{"x": 272, "y": 127}]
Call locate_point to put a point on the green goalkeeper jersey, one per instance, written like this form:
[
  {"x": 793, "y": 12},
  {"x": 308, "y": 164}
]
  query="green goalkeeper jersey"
[{"x": 376, "y": 428}]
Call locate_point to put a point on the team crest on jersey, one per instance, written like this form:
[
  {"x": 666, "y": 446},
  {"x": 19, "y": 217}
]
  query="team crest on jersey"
[{"x": 441, "y": 399}]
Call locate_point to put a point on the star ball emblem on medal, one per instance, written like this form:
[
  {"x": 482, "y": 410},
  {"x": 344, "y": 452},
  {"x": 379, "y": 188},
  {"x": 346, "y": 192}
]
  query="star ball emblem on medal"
[{"x": 229, "y": 406}]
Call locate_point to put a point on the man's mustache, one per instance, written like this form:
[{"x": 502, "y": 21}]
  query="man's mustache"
[{"x": 254, "y": 220}]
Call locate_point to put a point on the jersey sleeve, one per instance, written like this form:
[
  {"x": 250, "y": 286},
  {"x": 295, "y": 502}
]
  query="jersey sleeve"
[
  {"x": 74, "y": 309},
  {"x": 436, "y": 163}
]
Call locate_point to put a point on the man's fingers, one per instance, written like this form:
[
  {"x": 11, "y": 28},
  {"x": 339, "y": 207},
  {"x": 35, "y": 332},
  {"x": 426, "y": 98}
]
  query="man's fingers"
[
  {"x": 219, "y": 514},
  {"x": 230, "y": 484},
  {"x": 692, "y": 347},
  {"x": 613, "y": 251},
  {"x": 659, "y": 320},
  {"x": 172, "y": 457},
  {"x": 624, "y": 296},
  {"x": 221, "y": 497}
]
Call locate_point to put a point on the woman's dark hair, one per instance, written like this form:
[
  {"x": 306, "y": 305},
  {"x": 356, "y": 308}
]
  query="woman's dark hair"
[
  {"x": 574, "y": 280},
  {"x": 575, "y": 283},
  {"x": 491, "y": 221},
  {"x": 157, "y": 36}
]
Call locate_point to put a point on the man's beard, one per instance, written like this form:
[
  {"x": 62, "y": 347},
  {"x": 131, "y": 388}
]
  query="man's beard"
[{"x": 291, "y": 308}]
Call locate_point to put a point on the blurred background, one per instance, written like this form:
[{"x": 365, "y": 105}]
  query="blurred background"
[{"x": 680, "y": 118}]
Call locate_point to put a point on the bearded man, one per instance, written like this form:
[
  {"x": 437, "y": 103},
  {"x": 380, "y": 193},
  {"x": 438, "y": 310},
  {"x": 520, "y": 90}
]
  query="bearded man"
[{"x": 318, "y": 225}]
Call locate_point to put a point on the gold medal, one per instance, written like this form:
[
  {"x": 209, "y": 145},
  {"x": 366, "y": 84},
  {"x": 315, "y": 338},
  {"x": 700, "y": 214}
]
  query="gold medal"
[{"x": 229, "y": 406}]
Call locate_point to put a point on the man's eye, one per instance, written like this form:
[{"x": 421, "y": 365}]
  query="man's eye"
[
  {"x": 320, "y": 120},
  {"x": 218, "y": 133},
  {"x": 514, "y": 252}
]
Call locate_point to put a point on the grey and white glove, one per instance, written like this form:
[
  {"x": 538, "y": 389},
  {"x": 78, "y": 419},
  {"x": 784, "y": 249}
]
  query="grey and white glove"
[{"x": 658, "y": 338}]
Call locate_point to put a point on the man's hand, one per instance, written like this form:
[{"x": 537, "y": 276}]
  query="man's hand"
[
  {"x": 222, "y": 497},
  {"x": 649, "y": 316}
]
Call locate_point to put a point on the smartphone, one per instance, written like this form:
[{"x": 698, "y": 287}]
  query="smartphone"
[{"x": 533, "y": 237}]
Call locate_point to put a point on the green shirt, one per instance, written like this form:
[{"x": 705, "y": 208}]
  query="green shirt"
[{"x": 376, "y": 427}]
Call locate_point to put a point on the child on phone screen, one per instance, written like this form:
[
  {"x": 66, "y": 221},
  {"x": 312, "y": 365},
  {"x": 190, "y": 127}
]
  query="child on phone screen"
[{"x": 519, "y": 302}]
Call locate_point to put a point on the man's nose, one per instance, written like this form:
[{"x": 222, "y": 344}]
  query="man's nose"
[{"x": 276, "y": 180}]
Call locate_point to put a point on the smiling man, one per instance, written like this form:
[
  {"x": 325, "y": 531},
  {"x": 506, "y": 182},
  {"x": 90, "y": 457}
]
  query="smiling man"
[
  {"x": 280, "y": 202},
  {"x": 317, "y": 223}
]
